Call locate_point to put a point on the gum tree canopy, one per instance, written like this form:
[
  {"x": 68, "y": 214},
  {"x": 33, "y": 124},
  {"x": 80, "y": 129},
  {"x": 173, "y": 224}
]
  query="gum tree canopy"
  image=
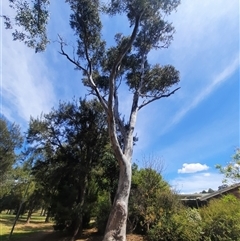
[{"x": 105, "y": 69}]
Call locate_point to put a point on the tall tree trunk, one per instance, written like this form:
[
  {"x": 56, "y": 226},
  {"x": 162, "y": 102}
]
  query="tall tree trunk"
[
  {"x": 81, "y": 200},
  {"x": 116, "y": 226}
]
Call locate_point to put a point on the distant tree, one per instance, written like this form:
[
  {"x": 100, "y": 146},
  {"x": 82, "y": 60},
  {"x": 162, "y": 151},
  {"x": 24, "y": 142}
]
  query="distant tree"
[
  {"x": 17, "y": 188},
  {"x": 222, "y": 187},
  {"x": 232, "y": 170},
  {"x": 10, "y": 140},
  {"x": 34, "y": 201},
  {"x": 105, "y": 69},
  {"x": 210, "y": 190}
]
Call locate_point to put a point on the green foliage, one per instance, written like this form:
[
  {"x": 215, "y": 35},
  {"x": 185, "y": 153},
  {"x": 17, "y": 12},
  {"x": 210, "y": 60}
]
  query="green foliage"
[
  {"x": 85, "y": 21},
  {"x": 221, "y": 219},
  {"x": 17, "y": 188},
  {"x": 232, "y": 170},
  {"x": 107, "y": 172}
]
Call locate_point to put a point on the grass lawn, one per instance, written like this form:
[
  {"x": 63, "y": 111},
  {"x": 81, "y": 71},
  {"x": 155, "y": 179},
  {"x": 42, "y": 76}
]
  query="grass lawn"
[{"x": 22, "y": 229}]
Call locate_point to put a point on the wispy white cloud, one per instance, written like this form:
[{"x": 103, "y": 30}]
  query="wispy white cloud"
[
  {"x": 199, "y": 28},
  {"x": 195, "y": 183},
  {"x": 193, "y": 167},
  {"x": 210, "y": 143},
  {"x": 223, "y": 76},
  {"x": 27, "y": 88},
  {"x": 205, "y": 43}
]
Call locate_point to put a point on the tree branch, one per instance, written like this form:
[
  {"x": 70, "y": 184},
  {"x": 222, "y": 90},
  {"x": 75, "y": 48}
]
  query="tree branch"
[
  {"x": 157, "y": 98},
  {"x": 62, "y": 52},
  {"x": 117, "y": 116},
  {"x": 89, "y": 75}
]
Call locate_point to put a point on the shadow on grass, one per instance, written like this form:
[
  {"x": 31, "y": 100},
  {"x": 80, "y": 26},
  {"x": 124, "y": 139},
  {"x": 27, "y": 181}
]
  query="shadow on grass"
[
  {"x": 90, "y": 235},
  {"x": 10, "y": 221},
  {"x": 36, "y": 236},
  {"x": 45, "y": 236},
  {"x": 15, "y": 236},
  {"x": 7, "y": 221}
]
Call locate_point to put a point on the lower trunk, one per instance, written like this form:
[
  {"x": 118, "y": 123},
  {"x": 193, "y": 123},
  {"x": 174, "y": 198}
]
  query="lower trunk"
[
  {"x": 47, "y": 220},
  {"x": 117, "y": 221},
  {"x": 29, "y": 215},
  {"x": 77, "y": 225},
  {"x": 77, "y": 228}
]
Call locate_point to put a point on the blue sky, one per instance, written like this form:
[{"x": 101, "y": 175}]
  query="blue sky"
[{"x": 189, "y": 132}]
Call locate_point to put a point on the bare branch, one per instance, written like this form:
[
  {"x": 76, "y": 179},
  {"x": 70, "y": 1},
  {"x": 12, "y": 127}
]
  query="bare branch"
[
  {"x": 62, "y": 52},
  {"x": 117, "y": 116},
  {"x": 99, "y": 96},
  {"x": 157, "y": 98}
]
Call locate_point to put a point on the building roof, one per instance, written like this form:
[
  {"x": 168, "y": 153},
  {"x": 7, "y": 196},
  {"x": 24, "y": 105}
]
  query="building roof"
[
  {"x": 219, "y": 192},
  {"x": 199, "y": 199}
]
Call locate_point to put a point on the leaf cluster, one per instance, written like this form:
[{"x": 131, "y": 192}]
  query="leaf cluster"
[{"x": 32, "y": 18}]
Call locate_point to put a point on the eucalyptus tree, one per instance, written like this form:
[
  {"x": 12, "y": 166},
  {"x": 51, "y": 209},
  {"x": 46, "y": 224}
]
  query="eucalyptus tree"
[{"x": 105, "y": 69}]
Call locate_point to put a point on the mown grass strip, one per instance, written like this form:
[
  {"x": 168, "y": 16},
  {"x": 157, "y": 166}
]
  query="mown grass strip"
[{"x": 22, "y": 229}]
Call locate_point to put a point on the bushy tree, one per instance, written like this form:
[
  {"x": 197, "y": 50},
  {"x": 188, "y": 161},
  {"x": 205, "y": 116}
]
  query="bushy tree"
[
  {"x": 147, "y": 187},
  {"x": 67, "y": 144},
  {"x": 104, "y": 69}
]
